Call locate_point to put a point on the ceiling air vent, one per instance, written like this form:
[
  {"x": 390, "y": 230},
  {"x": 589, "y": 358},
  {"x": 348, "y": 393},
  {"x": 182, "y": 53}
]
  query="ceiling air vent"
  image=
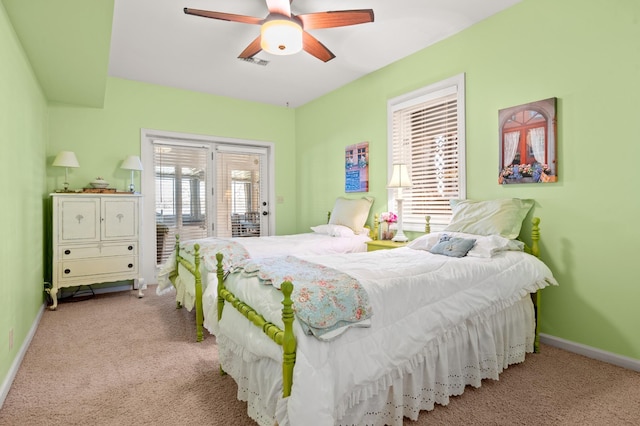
[{"x": 256, "y": 61}]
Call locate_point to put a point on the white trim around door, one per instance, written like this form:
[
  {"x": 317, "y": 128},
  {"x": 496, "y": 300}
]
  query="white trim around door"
[{"x": 147, "y": 184}]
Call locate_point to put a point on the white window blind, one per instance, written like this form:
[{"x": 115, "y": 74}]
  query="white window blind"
[
  {"x": 427, "y": 134},
  {"x": 180, "y": 190}
]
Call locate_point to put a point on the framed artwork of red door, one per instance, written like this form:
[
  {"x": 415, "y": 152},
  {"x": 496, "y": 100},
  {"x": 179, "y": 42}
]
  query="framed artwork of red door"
[{"x": 528, "y": 143}]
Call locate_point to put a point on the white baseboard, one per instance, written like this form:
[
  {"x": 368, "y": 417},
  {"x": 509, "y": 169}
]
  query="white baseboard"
[
  {"x": 8, "y": 381},
  {"x": 591, "y": 352}
]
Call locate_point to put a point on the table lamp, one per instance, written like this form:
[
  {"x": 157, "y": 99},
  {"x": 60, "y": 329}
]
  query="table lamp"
[
  {"x": 66, "y": 159},
  {"x": 399, "y": 179},
  {"x": 132, "y": 163}
]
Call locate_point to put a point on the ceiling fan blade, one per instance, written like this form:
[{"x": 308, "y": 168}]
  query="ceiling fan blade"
[
  {"x": 312, "y": 46},
  {"x": 223, "y": 16},
  {"x": 252, "y": 49},
  {"x": 283, "y": 7},
  {"x": 338, "y": 18}
]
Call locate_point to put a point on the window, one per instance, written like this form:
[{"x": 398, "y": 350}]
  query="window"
[
  {"x": 426, "y": 132},
  {"x": 241, "y": 191}
]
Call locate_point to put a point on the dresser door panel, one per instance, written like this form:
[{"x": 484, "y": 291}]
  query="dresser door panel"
[
  {"x": 120, "y": 219},
  {"x": 79, "y": 220}
]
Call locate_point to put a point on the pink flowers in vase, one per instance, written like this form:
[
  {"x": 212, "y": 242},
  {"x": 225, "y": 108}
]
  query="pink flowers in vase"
[
  {"x": 386, "y": 219},
  {"x": 389, "y": 217}
]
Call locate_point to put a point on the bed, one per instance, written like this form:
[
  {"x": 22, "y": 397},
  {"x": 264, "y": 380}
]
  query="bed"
[
  {"x": 435, "y": 321},
  {"x": 345, "y": 232}
]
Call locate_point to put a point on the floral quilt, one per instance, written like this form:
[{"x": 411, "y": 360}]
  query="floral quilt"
[
  {"x": 325, "y": 300},
  {"x": 233, "y": 252}
]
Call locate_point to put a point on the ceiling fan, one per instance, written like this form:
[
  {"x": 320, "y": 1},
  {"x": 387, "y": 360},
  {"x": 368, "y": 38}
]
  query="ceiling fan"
[{"x": 283, "y": 33}]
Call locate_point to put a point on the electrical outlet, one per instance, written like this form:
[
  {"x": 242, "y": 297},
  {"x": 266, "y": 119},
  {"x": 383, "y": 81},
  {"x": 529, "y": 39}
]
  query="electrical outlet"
[{"x": 11, "y": 339}]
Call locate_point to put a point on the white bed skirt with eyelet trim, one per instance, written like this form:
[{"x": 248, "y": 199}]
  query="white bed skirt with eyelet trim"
[{"x": 477, "y": 349}]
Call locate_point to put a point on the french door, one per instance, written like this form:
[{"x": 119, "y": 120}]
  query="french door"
[
  {"x": 181, "y": 176},
  {"x": 242, "y": 206},
  {"x": 201, "y": 188}
]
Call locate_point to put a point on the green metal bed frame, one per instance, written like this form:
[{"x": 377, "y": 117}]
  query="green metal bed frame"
[
  {"x": 194, "y": 269},
  {"x": 287, "y": 340}
]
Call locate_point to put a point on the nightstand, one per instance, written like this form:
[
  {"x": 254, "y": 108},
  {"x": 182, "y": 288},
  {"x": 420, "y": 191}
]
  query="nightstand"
[{"x": 383, "y": 245}]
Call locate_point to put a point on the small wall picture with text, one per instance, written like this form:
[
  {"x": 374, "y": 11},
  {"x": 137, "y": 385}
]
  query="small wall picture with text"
[{"x": 356, "y": 165}]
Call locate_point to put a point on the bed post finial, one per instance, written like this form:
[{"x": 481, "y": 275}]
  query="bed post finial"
[
  {"x": 427, "y": 224},
  {"x": 376, "y": 224},
  {"x": 535, "y": 236},
  {"x": 289, "y": 340}
]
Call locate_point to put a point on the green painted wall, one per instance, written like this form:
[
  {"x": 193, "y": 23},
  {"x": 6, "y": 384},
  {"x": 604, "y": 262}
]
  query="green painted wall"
[
  {"x": 67, "y": 43},
  {"x": 103, "y": 137},
  {"x": 23, "y": 129},
  {"x": 587, "y": 54}
]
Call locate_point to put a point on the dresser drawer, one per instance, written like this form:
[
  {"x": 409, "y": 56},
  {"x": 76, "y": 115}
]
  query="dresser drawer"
[
  {"x": 69, "y": 252},
  {"x": 97, "y": 266}
]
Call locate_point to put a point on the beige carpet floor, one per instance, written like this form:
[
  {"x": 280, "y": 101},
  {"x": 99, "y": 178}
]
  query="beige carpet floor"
[{"x": 115, "y": 359}]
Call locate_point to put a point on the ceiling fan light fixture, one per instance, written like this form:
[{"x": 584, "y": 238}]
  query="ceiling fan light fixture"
[{"x": 281, "y": 37}]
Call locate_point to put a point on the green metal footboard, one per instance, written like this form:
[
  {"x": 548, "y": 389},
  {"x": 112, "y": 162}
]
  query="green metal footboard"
[
  {"x": 284, "y": 338},
  {"x": 194, "y": 269}
]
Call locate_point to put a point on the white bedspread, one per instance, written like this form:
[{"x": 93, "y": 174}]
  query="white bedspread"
[
  {"x": 257, "y": 247},
  {"x": 417, "y": 298}
]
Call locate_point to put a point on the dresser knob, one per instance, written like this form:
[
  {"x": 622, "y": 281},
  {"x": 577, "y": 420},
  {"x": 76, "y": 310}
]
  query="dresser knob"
[
  {"x": 67, "y": 271},
  {"x": 131, "y": 265},
  {"x": 130, "y": 247},
  {"x": 67, "y": 251}
]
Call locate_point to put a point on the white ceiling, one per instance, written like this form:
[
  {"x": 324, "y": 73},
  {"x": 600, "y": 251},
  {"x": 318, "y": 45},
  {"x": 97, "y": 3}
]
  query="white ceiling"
[{"x": 154, "y": 41}]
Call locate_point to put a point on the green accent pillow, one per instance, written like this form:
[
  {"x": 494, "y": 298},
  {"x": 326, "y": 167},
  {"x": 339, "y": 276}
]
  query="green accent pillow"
[
  {"x": 494, "y": 217},
  {"x": 453, "y": 247}
]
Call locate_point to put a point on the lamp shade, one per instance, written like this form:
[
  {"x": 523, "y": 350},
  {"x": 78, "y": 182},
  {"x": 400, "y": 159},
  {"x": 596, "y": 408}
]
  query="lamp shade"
[
  {"x": 281, "y": 37},
  {"x": 66, "y": 159},
  {"x": 400, "y": 177},
  {"x": 132, "y": 162}
]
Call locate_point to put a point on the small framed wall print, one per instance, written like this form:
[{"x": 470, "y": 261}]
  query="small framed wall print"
[
  {"x": 528, "y": 143},
  {"x": 356, "y": 165}
]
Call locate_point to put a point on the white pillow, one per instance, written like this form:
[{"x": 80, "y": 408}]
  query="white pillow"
[
  {"x": 333, "y": 230},
  {"x": 352, "y": 213},
  {"x": 494, "y": 217},
  {"x": 486, "y": 245}
]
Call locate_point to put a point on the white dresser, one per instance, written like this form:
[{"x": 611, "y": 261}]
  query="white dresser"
[{"x": 95, "y": 239}]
